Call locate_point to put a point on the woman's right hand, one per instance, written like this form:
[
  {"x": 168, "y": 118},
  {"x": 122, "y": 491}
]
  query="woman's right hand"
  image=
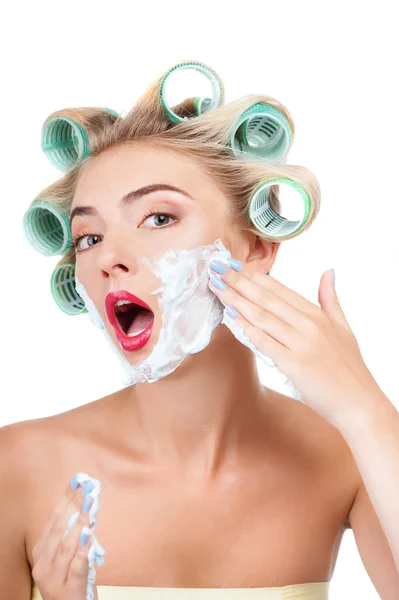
[{"x": 61, "y": 566}]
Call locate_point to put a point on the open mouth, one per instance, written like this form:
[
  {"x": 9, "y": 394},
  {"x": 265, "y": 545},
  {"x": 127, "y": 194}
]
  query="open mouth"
[{"x": 132, "y": 318}]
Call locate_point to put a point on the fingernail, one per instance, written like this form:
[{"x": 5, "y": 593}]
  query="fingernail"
[
  {"x": 74, "y": 482},
  {"x": 231, "y": 311},
  {"x": 87, "y": 504},
  {"x": 333, "y": 276},
  {"x": 235, "y": 264},
  {"x": 218, "y": 266},
  {"x": 84, "y": 536},
  {"x": 87, "y": 488},
  {"x": 218, "y": 283}
]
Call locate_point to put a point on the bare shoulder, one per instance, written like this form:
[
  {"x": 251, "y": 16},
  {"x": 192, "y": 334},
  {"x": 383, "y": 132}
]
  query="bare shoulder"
[
  {"x": 309, "y": 429},
  {"x": 322, "y": 447},
  {"x": 34, "y": 446},
  {"x": 16, "y": 443}
]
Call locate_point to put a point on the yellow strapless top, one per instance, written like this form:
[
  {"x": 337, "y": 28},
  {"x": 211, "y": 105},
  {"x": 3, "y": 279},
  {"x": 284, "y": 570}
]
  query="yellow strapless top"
[{"x": 301, "y": 591}]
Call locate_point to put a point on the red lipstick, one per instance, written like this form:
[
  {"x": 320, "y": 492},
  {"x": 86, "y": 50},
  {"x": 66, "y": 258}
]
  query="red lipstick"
[{"x": 131, "y": 342}]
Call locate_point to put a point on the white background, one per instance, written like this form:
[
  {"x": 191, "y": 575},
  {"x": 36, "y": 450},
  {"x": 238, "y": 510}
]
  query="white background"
[{"x": 333, "y": 65}]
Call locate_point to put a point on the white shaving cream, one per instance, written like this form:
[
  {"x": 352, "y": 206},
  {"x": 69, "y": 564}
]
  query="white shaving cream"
[{"x": 190, "y": 313}]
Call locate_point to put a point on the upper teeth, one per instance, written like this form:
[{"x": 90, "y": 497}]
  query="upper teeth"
[{"x": 120, "y": 302}]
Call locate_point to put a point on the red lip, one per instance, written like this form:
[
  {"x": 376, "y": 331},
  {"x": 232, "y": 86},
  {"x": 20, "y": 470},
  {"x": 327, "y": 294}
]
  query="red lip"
[{"x": 128, "y": 343}]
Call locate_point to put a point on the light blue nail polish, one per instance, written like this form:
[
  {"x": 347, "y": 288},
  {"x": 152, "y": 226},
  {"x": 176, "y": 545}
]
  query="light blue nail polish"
[
  {"x": 87, "y": 504},
  {"x": 74, "y": 482},
  {"x": 83, "y": 538},
  {"x": 217, "y": 282},
  {"x": 87, "y": 488},
  {"x": 235, "y": 264},
  {"x": 231, "y": 311},
  {"x": 218, "y": 266}
]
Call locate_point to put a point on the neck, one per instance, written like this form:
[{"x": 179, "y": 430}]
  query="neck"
[{"x": 203, "y": 417}]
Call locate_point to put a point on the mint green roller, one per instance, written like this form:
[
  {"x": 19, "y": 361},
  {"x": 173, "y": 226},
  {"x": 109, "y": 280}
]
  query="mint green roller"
[
  {"x": 202, "y": 104},
  {"x": 267, "y": 220},
  {"x": 46, "y": 228},
  {"x": 262, "y": 132},
  {"x": 64, "y": 292},
  {"x": 65, "y": 141}
]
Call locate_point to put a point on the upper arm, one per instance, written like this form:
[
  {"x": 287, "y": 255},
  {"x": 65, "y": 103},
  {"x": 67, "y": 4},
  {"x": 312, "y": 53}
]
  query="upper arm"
[
  {"x": 15, "y": 575},
  {"x": 373, "y": 546}
]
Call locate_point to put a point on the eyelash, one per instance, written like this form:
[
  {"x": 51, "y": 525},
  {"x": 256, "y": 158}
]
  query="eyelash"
[{"x": 76, "y": 239}]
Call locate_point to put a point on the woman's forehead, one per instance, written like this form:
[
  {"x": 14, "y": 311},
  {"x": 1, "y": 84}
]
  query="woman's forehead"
[{"x": 117, "y": 171}]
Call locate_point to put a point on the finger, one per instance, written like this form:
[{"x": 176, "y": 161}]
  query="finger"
[
  {"x": 79, "y": 566},
  {"x": 273, "y": 287},
  {"x": 257, "y": 317},
  {"x": 263, "y": 342},
  {"x": 70, "y": 563},
  {"x": 58, "y": 510},
  {"x": 264, "y": 298},
  {"x": 56, "y": 535}
]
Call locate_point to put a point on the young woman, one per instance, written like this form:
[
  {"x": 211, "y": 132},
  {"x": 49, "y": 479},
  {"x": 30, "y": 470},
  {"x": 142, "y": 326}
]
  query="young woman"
[{"x": 212, "y": 485}]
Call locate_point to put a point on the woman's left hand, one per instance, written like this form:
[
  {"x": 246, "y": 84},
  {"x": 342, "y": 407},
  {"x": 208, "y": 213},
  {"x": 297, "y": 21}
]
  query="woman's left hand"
[{"x": 314, "y": 347}]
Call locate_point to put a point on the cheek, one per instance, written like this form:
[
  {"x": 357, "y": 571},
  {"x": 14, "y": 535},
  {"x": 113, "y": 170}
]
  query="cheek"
[
  {"x": 85, "y": 274},
  {"x": 200, "y": 230}
]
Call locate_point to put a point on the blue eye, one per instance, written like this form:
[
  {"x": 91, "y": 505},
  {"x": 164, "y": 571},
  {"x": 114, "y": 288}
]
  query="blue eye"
[
  {"x": 159, "y": 214},
  {"x": 77, "y": 239}
]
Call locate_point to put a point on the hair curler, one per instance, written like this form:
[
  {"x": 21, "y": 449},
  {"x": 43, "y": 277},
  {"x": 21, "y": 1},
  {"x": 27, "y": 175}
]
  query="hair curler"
[
  {"x": 267, "y": 220},
  {"x": 262, "y": 131},
  {"x": 201, "y": 104},
  {"x": 64, "y": 291},
  {"x": 65, "y": 141},
  {"x": 47, "y": 228}
]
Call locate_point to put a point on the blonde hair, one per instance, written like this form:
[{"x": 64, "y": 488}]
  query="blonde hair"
[{"x": 204, "y": 138}]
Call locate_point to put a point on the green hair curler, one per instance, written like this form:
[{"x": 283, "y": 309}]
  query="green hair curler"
[
  {"x": 262, "y": 132},
  {"x": 202, "y": 104},
  {"x": 65, "y": 141},
  {"x": 46, "y": 228},
  {"x": 267, "y": 220},
  {"x": 64, "y": 292}
]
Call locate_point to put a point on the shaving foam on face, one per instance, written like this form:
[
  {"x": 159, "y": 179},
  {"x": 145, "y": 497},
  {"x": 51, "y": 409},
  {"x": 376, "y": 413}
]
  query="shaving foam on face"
[{"x": 190, "y": 313}]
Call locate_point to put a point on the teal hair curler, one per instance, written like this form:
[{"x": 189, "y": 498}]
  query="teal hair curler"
[
  {"x": 64, "y": 291},
  {"x": 46, "y": 228},
  {"x": 267, "y": 220},
  {"x": 65, "y": 141},
  {"x": 201, "y": 104},
  {"x": 262, "y": 131}
]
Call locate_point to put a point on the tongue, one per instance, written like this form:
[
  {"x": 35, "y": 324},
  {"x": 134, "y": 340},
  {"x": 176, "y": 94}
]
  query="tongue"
[{"x": 140, "y": 322}]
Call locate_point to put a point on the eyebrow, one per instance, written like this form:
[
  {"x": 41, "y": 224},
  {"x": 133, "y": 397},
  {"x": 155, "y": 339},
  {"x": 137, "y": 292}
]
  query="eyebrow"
[{"x": 129, "y": 197}]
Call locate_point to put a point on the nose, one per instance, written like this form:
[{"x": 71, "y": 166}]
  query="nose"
[{"x": 116, "y": 254}]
